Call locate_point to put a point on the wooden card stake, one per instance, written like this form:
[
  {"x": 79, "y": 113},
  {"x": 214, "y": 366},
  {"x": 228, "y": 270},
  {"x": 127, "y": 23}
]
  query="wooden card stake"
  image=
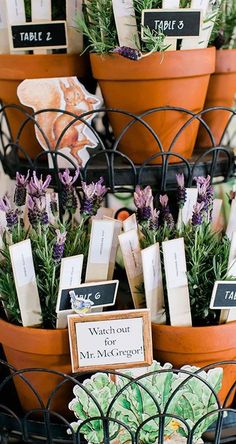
[
  {"x": 25, "y": 281},
  {"x": 100, "y": 246},
  {"x": 41, "y": 11},
  {"x": 177, "y": 283},
  {"x": 216, "y": 222},
  {"x": 15, "y": 15},
  {"x": 130, "y": 248},
  {"x": 70, "y": 277},
  {"x": 151, "y": 261},
  {"x": 170, "y": 4},
  {"x": 126, "y": 25},
  {"x": 112, "y": 340},
  {"x": 75, "y": 38},
  {"x": 194, "y": 42}
]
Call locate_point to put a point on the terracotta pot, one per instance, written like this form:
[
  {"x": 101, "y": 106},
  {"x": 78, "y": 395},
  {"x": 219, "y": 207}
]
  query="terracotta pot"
[
  {"x": 15, "y": 67},
  {"x": 198, "y": 346},
  {"x": 36, "y": 348},
  {"x": 221, "y": 92},
  {"x": 173, "y": 78}
]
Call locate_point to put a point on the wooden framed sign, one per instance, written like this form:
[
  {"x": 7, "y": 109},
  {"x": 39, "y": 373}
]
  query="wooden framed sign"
[
  {"x": 48, "y": 35},
  {"x": 177, "y": 23},
  {"x": 111, "y": 340},
  {"x": 223, "y": 295}
]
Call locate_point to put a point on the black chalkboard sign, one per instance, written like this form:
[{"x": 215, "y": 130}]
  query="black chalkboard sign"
[
  {"x": 102, "y": 294},
  {"x": 223, "y": 295},
  {"x": 177, "y": 23},
  {"x": 38, "y": 35}
]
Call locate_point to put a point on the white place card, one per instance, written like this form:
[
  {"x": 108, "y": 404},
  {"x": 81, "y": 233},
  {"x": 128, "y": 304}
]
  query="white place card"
[
  {"x": 70, "y": 277},
  {"x": 104, "y": 212},
  {"x": 151, "y": 261},
  {"x": 41, "y": 10},
  {"x": 130, "y": 223},
  {"x": 185, "y": 213},
  {"x": 194, "y": 42},
  {"x": 75, "y": 38},
  {"x": 177, "y": 283},
  {"x": 216, "y": 213},
  {"x": 231, "y": 227},
  {"x": 25, "y": 281},
  {"x": 100, "y": 246},
  {"x": 131, "y": 251},
  {"x": 126, "y": 25},
  {"x": 4, "y": 42},
  {"x": 16, "y": 15},
  {"x": 115, "y": 244}
]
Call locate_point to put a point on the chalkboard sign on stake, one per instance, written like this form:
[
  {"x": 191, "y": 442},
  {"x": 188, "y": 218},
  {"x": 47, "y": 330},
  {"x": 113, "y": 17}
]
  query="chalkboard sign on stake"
[
  {"x": 49, "y": 35},
  {"x": 179, "y": 23},
  {"x": 223, "y": 295},
  {"x": 101, "y": 294}
]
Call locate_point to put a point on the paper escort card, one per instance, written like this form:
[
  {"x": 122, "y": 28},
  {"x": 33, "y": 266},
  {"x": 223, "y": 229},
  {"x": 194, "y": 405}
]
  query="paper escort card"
[
  {"x": 75, "y": 38},
  {"x": 70, "y": 276},
  {"x": 4, "y": 43},
  {"x": 130, "y": 223},
  {"x": 41, "y": 10},
  {"x": 216, "y": 212},
  {"x": 114, "y": 247},
  {"x": 25, "y": 281},
  {"x": 100, "y": 246},
  {"x": 151, "y": 261},
  {"x": 119, "y": 339},
  {"x": 126, "y": 25},
  {"x": 185, "y": 213},
  {"x": 131, "y": 251},
  {"x": 177, "y": 283}
]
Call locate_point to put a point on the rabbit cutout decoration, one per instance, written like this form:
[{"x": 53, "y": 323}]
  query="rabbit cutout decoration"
[{"x": 67, "y": 94}]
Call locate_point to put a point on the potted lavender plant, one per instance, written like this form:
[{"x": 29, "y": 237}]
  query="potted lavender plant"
[
  {"x": 207, "y": 254},
  {"x": 27, "y": 347}
]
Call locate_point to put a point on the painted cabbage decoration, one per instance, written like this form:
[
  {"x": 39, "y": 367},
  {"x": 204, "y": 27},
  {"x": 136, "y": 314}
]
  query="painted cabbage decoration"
[{"x": 138, "y": 402}]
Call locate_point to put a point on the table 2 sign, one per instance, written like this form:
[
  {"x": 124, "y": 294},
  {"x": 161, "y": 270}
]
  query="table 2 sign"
[
  {"x": 49, "y": 35},
  {"x": 173, "y": 23}
]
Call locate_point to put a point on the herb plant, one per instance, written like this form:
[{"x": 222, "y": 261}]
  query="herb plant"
[
  {"x": 224, "y": 32},
  {"x": 207, "y": 252},
  {"x": 51, "y": 239}
]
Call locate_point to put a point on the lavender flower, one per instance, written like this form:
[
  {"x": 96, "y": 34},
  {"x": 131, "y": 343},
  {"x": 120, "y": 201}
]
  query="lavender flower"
[
  {"x": 93, "y": 195},
  {"x": 181, "y": 191},
  {"x": 143, "y": 200},
  {"x": 165, "y": 214},
  {"x": 20, "y": 190},
  {"x": 11, "y": 214},
  {"x": 58, "y": 247},
  {"x": 154, "y": 220},
  {"x": 37, "y": 213},
  {"x": 129, "y": 53},
  {"x": 197, "y": 216},
  {"x": 37, "y": 187},
  {"x": 205, "y": 195},
  {"x": 68, "y": 197}
]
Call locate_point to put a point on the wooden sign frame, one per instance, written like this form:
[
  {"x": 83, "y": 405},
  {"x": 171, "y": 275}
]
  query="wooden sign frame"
[
  {"x": 144, "y": 314},
  {"x": 31, "y": 27},
  {"x": 227, "y": 285}
]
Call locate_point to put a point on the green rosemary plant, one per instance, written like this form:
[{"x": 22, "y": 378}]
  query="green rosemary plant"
[
  {"x": 52, "y": 237},
  {"x": 224, "y": 32}
]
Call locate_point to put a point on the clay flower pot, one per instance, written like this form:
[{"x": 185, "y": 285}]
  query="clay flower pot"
[
  {"x": 221, "y": 92},
  {"x": 199, "y": 346},
  {"x": 36, "y": 348},
  {"x": 172, "y": 78},
  {"x": 14, "y": 68}
]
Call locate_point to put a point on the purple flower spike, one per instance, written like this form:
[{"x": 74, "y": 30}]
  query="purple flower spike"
[
  {"x": 11, "y": 215},
  {"x": 93, "y": 196},
  {"x": 143, "y": 200},
  {"x": 5, "y": 204},
  {"x": 100, "y": 189},
  {"x": 154, "y": 220},
  {"x": 66, "y": 179},
  {"x": 164, "y": 200},
  {"x": 58, "y": 247},
  {"x": 20, "y": 190},
  {"x": 197, "y": 213},
  {"x": 181, "y": 191},
  {"x": 37, "y": 187},
  {"x": 165, "y": 214},
  {"x": 129, "y": 53}
]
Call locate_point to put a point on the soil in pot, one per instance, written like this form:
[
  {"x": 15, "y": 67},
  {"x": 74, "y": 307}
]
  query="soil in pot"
[
  {"x": 14, "y": 68},
  {"x": 37, "y": 348},
  {"x": 221, "y": 92},
  {"x": 172, "y": 78},
  {"x": 199, "y": 346}
]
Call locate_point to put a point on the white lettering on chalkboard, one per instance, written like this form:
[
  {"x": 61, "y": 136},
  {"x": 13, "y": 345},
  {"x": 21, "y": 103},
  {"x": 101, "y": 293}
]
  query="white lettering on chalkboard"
[
  {"x": 230, "y": 295},
  {"x": 164, "y": 25}
]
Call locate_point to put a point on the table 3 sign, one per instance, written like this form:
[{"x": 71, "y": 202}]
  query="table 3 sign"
[{"x": 173, "y": 23}]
